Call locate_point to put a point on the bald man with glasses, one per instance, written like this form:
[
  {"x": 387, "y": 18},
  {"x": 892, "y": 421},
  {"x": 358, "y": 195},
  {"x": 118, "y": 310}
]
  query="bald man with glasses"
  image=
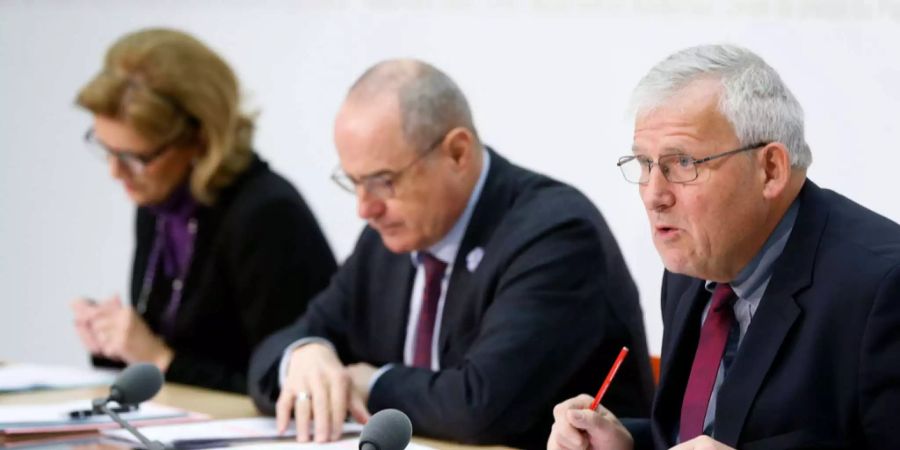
[{"x": 479, "y": 294}]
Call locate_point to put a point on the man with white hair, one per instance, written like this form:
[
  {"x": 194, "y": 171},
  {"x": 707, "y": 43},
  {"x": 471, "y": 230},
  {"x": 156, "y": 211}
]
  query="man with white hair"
[{"x": 780, "y": 299}]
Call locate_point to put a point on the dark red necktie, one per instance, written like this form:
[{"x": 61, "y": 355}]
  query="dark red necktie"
[
  {"x": 434, "y": 275},
  {"x": 713, "y": 336}
]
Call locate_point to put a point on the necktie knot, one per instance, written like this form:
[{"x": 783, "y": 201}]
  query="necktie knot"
[
  {"x": 722, "y": 296},
  {"x": 434, "y": 267}
]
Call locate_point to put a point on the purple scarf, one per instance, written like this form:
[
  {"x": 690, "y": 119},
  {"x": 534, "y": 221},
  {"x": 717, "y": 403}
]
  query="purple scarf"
[{"x": 175, "y": 214}]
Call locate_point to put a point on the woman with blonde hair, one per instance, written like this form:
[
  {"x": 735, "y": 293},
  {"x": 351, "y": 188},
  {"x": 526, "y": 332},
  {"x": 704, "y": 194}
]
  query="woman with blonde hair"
[{"x": 226, "y": 250}]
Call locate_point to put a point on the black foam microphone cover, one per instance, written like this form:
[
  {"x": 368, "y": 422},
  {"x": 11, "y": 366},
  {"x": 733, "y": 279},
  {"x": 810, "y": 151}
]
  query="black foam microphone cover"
[
  {"x": 136, "y": 384},
  {"x": 388, "y": 429}
]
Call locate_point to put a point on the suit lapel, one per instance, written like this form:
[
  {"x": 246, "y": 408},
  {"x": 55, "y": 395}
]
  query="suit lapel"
[
  {"x": 394, "y": 289},
  {"x": 457, "y": 305},
  {"x": 777, "y": 313},
  {"x": 760, "y": 346},
  {"x": 403, "y": 279},
  {"x": 488, "y": 212}
]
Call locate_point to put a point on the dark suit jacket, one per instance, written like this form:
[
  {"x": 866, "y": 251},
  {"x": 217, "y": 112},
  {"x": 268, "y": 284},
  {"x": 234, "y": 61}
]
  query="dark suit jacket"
[
  {"x": 819, "y": 366},
  {"x": 258, "y": 259},
  {"x": 539, "y": 320}
]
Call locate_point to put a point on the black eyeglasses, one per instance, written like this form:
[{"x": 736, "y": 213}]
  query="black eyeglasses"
[
  {"x": 134, "y": 162},
  {"x": 381, "y": 184},
  {"x": 676, "y": 168}
]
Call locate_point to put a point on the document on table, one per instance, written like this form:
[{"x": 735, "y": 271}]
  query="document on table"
[
  {"x": 217, "y": 433},
  {"x": 54, "y": 418},
  {"x": 32, "y": 377},
  {"x": 345, "y": 444}
]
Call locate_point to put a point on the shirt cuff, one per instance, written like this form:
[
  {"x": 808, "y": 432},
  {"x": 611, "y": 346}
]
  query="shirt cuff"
[
  {"x": 378, "y": 373},
  {"x": 286, "y": 355}
]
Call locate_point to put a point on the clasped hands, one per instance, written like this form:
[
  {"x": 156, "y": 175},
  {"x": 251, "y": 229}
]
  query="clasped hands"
[
  {"x": 576, "y": 426},
  {"x": 320, "y": 391},
  {"x": 115, "y": 331}
]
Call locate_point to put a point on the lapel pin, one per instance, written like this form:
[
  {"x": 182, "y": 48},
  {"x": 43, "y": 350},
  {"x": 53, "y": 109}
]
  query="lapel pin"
[{"x": 474, "y": 258}]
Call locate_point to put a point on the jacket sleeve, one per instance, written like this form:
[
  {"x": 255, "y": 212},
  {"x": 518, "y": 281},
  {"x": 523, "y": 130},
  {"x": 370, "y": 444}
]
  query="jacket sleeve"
[
  {"x": 545, "y": 318},
  {"x": 327, "y": 317},
  {"x": 277, "y": 259},
  {"x": 879, "y": 368}
]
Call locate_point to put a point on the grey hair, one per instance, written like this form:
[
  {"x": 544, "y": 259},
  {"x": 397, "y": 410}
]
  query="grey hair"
[
  {"x": 431, "y": 104},
  {"x": 754, "y": 100}
]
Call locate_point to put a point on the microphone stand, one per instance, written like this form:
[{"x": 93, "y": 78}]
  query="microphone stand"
[{"x": 103, "y": 405}]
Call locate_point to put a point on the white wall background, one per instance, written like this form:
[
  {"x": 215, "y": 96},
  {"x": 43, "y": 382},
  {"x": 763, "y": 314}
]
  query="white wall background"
[{"x": 548, "y": 82}]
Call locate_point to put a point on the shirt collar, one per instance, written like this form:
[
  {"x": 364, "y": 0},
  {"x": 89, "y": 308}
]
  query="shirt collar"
[
  {"x": 447, "y": 248},
  {"x": 179, "y": 206},
  {"x": 759, "y": 269}
]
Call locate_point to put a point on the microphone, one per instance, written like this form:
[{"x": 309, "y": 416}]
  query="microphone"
[
  {"x": 136, "y": 384},
  {"x": 388, "y": 429}
]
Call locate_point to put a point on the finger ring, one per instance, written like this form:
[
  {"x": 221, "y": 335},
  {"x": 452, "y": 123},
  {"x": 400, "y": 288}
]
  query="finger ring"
[{"x": 302, "y": 397}]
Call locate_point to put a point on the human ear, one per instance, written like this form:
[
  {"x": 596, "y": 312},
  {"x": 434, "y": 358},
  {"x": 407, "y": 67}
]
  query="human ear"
[
  {"x": 775, "y": 161},
  {"x": 460, "y": 145}
]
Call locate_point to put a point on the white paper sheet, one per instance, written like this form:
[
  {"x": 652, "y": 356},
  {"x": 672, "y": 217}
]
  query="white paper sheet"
[
  {"x": 345, "y": 444},
  {"x": 54, "y": 417},
  {"x": 230, "y": 430},
  {"x": 31, "y": 377}
]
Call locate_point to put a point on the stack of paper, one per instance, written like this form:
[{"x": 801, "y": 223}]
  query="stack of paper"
[
  {"x": 30, "y": 377},
  {"x": 218, "y": 433},
  {"x": 345, "y": 444},
  {"x": 19, "y": 422}
]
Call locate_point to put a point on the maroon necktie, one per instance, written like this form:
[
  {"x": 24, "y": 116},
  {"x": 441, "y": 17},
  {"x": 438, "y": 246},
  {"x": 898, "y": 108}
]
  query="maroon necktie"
[
  {"x": 434, "y": 274},
  {"x": 713, "y": 336}
]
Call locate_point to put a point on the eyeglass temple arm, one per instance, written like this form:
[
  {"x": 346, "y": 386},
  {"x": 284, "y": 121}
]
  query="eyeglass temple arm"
[{"x": 731, "y": 152}]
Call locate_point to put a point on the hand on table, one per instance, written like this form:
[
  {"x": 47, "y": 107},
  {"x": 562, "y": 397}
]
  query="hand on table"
[
  {"x": 361, "y": 377},
  {"x": 320, "y": 389}
]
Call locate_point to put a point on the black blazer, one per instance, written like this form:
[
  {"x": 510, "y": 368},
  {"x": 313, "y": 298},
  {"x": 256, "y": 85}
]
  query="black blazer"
[
  {"x": 258, "y": 259},
  {"x": 819, "y": 366},
  {"x": 540, "y": 319}
]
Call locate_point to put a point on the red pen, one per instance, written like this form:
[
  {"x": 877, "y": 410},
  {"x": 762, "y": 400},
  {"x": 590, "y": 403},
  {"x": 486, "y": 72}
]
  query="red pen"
[{"x": 609, "y": 377}]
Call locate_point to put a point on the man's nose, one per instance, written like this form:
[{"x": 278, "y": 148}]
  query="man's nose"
[
  {"x": 657, "y": 192},
  {"x": 368, "y": 206}
]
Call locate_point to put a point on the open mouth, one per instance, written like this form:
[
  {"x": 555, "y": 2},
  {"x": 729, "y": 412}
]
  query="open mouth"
[{"x": 666, "y": 231}]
